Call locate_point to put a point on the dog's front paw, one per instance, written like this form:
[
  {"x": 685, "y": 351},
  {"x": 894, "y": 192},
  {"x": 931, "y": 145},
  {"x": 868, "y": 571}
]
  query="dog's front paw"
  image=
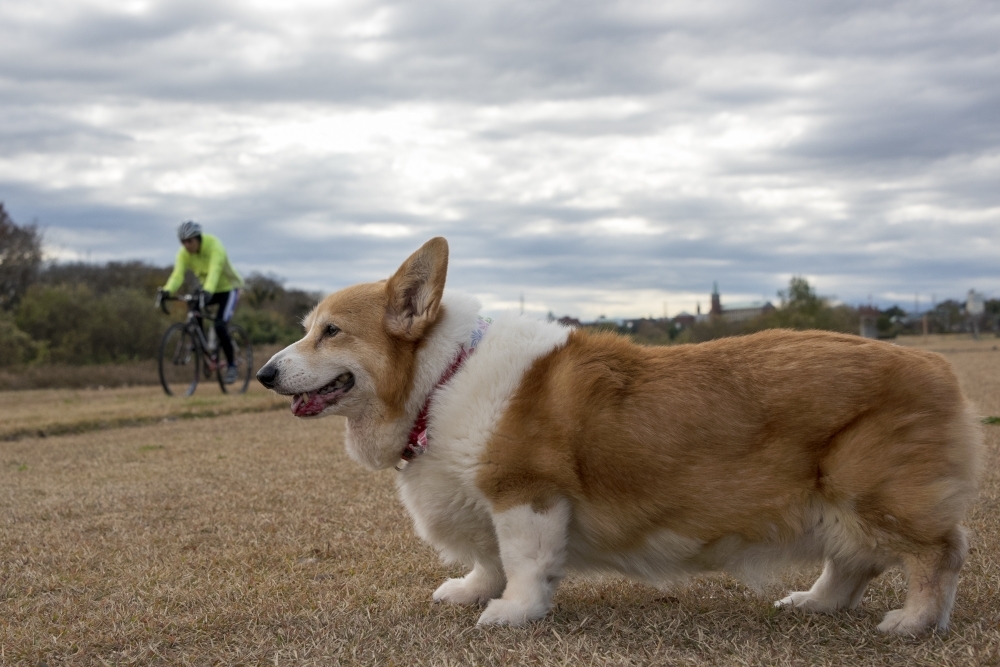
[
  {"x": 462, "y": 591},
  {"x": 509, "y": 612},
  {"x": 806, "y": 601},
  {"x": 899, "y": 622}
]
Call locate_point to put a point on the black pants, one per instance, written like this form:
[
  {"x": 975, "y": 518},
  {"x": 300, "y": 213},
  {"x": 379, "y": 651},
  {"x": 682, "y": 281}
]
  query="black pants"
[{"x": 226, "y": 302}]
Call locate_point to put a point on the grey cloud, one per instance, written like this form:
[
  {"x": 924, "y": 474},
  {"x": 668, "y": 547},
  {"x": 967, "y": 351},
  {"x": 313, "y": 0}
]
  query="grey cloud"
[{"x": 897, "y": 100}]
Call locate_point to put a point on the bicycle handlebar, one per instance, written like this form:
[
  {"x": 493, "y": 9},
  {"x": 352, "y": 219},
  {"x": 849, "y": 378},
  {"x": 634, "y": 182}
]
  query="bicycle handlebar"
[{"x": 162, "y": 298}]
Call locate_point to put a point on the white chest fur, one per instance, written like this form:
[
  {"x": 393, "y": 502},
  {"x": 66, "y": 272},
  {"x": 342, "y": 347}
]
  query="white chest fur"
[{"x": 439, "y": 488}]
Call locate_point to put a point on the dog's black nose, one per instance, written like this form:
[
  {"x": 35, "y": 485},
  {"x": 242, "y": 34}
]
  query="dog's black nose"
[{"x": 267, "y": 376}]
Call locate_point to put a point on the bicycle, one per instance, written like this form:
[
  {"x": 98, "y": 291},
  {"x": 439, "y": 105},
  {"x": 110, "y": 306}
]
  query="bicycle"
[{"x": 186, "y": 352}]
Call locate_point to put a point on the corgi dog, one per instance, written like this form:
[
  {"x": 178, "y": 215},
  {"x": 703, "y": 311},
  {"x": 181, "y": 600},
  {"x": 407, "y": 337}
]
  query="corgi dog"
[{"x": 531, "y": 450}]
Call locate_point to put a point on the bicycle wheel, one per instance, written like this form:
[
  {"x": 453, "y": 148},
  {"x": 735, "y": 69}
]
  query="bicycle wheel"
[
  {"x": 179, "y": 361},
  {"x": 242, "y": 358}
]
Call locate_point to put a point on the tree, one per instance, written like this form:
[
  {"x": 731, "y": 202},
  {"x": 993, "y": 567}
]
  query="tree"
[
  {"x": 20, "y": 259},
  {"x": 260, "y": 289},
  {"x": 801, "y": 297},
  {"x": 104, "y": 278},
  {"x": 801, "y": 308}
]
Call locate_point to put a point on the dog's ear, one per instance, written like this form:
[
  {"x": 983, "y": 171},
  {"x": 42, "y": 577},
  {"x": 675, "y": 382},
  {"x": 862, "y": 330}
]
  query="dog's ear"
[{"x": 415, "y": 291}]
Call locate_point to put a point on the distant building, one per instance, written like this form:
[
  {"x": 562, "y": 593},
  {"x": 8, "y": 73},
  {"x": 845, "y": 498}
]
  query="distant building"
[
  {"x": 738, "y": 312},
  {"x": 869, "y": 321},
  {"x": 684, "y": 320}
]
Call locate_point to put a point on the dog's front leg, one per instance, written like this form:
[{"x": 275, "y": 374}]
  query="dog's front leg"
[{"x": 533, "y": 553}]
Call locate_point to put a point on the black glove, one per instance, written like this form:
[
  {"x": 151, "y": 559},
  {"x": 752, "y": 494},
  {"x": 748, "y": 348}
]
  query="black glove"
[{"x": 161, "y": 298}]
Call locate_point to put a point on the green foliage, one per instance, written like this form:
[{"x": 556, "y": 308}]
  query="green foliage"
[
  {"x": 889, "y": 323},
  {"x": 266, "y": 327},
  {"x": 273, "y": 314},
  {"x": 651, "y": 332},
  {"x": 261, "y": 290},
  {"x": 801, "y": 308},
  {"x": 16, "y": 347},
  {"x": 103, "y": 278},
  {"x": 87, "y": 313},
  {"x": 57, "y": 317},
  {"x": 20, "y": 259},
  {"x": 948, "y": 316},
  {"x": 74, "y": 325},
  {"x": 269, "y": 293}
]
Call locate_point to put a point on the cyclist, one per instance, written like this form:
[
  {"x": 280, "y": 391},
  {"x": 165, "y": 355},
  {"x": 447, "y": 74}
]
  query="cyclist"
[{"x": 207, "y": 259}]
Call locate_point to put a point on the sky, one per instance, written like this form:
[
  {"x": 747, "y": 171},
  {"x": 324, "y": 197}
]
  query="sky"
[{"x": 591, "y": 158}]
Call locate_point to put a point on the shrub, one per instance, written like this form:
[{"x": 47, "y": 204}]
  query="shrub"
[
  {"x": 77, "y": 327},
  {"x": 59, "y": 315},
  {"x": 266, "y": 327},
  {"x": 125, "y": 326},
  {"x": 16, "y": 347}
]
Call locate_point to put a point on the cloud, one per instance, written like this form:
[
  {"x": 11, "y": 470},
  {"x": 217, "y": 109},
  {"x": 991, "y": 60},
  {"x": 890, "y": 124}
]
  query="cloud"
[{"x": 595, "y": 156}]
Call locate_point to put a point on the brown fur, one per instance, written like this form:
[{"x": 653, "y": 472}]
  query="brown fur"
[{"x": 738, "y": 437}]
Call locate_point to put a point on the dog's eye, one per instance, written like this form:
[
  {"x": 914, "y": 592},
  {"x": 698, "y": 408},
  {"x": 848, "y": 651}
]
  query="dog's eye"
[{"x": 331, "y": 330}]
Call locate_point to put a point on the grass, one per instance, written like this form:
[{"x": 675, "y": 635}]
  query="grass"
[
  {"x": 252, "y": 539},
  {"x": 51, "y": 412}
]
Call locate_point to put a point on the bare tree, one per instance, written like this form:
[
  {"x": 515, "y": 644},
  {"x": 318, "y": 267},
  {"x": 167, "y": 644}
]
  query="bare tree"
[{"x": 20, "y": 258}]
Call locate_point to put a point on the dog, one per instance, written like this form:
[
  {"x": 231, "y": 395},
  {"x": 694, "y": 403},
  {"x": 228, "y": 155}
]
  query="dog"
[{"x": 530, "y": 450}]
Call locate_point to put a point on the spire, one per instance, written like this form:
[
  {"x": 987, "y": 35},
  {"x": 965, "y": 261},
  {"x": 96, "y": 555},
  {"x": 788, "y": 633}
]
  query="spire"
[{"x": 716, "y": 301}]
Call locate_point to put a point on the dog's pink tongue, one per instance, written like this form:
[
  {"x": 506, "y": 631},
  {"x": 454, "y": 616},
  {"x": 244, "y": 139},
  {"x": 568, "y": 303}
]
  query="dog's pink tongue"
[{"x": 305, "y": 405}]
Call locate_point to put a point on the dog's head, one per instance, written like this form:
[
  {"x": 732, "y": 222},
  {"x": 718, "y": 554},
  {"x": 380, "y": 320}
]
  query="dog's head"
[{"x": 357, "y": 356}]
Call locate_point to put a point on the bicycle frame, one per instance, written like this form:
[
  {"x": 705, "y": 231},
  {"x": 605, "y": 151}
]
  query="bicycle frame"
[
  {"x": 195, "y": 311},
  {"x": 207, "y": 356}
]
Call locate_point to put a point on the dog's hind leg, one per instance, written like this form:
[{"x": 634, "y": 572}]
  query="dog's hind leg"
[
  {"x": 533, "y": 552},
  {"x": 484, "y": 583},
  {"x": 932, "y": 577},
  {"x": 841, "y": 586}
]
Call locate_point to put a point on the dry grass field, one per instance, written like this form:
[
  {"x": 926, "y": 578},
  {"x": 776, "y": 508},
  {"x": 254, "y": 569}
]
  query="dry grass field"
[
  {"x": 252, "y": 539},
  {"x": 48, "y": 412}
]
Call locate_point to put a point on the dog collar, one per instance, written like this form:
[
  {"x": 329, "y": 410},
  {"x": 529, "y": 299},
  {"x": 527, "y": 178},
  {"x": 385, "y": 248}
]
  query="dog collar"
[{"x": 416, "y": 444}]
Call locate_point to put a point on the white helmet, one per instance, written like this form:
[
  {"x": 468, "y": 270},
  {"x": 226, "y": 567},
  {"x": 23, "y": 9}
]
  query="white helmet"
[{"x": 188, "y": 230}]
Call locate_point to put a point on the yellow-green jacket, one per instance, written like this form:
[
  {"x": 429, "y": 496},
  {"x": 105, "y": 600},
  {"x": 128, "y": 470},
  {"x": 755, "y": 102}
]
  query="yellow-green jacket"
[{"x": 210, "y": 265}]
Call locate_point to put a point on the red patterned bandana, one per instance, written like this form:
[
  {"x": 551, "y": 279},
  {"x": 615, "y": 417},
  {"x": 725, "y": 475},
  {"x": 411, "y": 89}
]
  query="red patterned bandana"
[{"x": 416, "y": 444}]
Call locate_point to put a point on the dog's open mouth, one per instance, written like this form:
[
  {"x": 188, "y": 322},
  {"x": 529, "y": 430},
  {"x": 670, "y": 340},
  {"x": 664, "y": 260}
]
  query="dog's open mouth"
[{"x": 314, "y": 402}]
